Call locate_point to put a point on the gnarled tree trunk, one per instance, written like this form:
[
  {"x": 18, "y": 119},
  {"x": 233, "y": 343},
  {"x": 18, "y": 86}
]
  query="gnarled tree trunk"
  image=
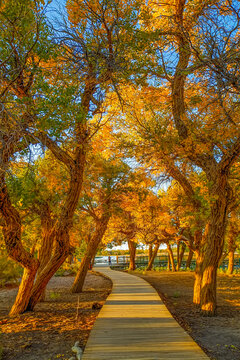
[
  {"x": 213, "y": 246},
  {"x": 132, "y": 246},
  {"x": 59, "y": 235},
  {"x": 45, "y": 251},
  {"x": 60, "y": 252},
  {"x": 24, "y": 292}
]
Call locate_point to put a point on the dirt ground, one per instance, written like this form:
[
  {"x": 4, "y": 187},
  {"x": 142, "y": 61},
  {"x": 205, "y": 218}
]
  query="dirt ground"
[
  {"x": 219, "y": 336},
  {"x": 52, "y": 329}
]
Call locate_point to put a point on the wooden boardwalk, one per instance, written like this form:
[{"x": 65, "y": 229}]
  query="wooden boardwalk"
[{"x": 135, "y": 324}]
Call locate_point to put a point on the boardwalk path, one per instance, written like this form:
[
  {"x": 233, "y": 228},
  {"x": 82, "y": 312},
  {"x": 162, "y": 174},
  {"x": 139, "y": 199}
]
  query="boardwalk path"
[{"x": 135, "y": 324}]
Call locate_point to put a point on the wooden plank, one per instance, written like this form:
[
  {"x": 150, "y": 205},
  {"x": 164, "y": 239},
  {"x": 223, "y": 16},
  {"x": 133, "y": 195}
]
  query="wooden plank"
[{"x": 135, "y": 324}]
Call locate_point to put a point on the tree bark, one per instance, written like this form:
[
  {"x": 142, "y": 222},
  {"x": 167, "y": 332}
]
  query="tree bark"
[
  {"x": 180, "y": 257},
  {"x": 178, "y": 254},
  {"x": 213, "y": 246},
  {"x": 60, "y": 252},
  {"x": 230, "y": 262},
  {"x": 198, "y": 240},
  {"x": 150, "y": 252},
  {"x": 171, "y": 257},
  {"x": 24, "y": 292},
  {"x": 198, "y": 279},
  {"x": 169, "y": 263},
  {"x": 232, "y": 236},
  {"x": 45, "y": 251},
  {"x": 154, "y": 254},
  {"x": 132, "y": 246},
  {"x": 189, "y": 259},
  {"x": 101, "y": 227}
]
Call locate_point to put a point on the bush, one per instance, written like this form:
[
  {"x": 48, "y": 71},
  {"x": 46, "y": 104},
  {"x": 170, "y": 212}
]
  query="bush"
[
  {"x": 9, "y": 270},
  {"x": 54, "y": 295},
  {"x": 67, "y": 269}
]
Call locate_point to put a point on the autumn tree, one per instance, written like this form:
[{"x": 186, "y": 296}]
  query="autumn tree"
[
  {"x": 69, "y": 91},
  {"x": 106, "y": 181},
  {"x": 206, "y": 144},
  {"x": 93, "y": 41},
  {"x": 126, "y": 225},
  {"x": 23, "y": 35},
  {"x": 191, "y": 118},
  {"x": 151, "y": 220}
]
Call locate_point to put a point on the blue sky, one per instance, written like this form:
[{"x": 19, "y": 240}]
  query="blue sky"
[{"x": 53, "y": 6}]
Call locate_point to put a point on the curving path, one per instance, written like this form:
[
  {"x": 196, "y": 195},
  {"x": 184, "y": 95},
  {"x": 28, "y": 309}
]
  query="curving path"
[{"x": 135, "y": 324}]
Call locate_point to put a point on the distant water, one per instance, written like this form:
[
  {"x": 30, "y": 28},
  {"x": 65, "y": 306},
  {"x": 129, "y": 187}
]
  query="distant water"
[{"x": 105, "y": 260}]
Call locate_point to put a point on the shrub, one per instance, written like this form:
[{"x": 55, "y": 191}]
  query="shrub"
[
  {"x": 67, "y": 269},
  {"x": 54, "y": 295},
  {"x": 9, "y": 270}
]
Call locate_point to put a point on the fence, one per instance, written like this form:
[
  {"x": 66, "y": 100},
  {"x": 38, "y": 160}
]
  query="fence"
[{"x": 161, "y": 261}]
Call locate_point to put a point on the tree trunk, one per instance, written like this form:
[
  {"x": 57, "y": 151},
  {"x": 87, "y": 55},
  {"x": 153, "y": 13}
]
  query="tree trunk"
[
  {"x": 213, "y": 246},
  {"x": 84, "y": 267},
  {"x": 60, "y": 252},
  {"x": 180, "y": 257},
  {"x": 101, "y": 227},
  {"x": 230, "y": 262},
  {"x": 45, "y": 251},
  {"x": 189, "y": 259},
  {"x": 169, "y": 263},
  {"x": 154, "y": 254},
  {"x": 150, "y": 252},
  {"x": 92, "y": 261},
  {"x": 178, "y": 254},
  {"x": 171, "y": 257},
  {"x": 24, "y": 292},
  {"x": 232, "y": 236},
  {"x": 198, "y": 240},
  {"x": 198, "y": 279},
  {"x": 132, "y": 251}
]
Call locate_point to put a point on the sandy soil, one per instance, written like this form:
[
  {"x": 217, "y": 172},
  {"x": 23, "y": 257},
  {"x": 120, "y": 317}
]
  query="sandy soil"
[
  {"x": 219, "y": 336},
  {"x": 52, "y": 329}
]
